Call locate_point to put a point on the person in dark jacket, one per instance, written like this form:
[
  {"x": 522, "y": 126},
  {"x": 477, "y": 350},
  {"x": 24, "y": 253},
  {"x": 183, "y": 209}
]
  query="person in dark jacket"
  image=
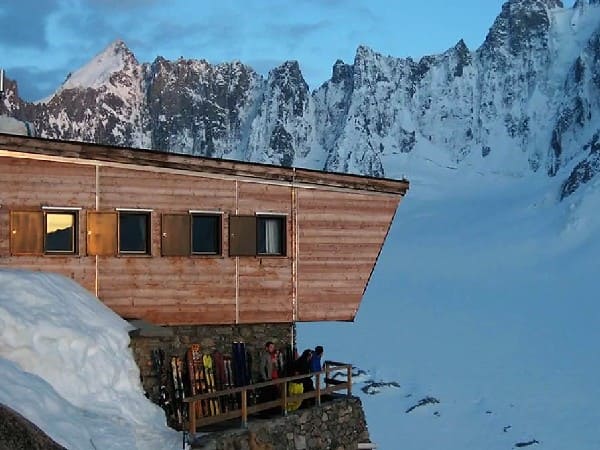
[
  {"x": 315, "y": 361},
  {"x": 301, "y": 367}
]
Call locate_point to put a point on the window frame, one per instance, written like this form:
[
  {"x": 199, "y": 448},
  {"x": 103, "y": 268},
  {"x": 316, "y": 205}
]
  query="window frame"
[
  {"x": 148, "y": 238},
  {"x": 282, "y": 218},
  {"x": 219, "y": 228},
  {"x": 74, "y": 212}
]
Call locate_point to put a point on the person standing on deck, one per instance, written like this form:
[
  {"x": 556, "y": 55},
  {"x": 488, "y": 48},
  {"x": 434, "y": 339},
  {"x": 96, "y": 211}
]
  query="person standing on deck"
[
  {"x": 268, "y": 371},
  {"x": 268, "y": 363},
  {"x": 315, "y": 361}
]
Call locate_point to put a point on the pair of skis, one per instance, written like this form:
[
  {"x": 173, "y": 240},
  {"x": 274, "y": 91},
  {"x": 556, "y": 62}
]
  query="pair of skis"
[
  {"x": 179, "y": 390},
  {"x": 165, "y": 390},
  {"x": 171, "y": 390},
  {"x": 201, "y": 377}
]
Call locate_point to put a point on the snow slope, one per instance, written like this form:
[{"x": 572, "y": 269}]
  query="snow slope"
[
  {"x": 485, "y": 299},
  {"x": 66, "y": 366}
]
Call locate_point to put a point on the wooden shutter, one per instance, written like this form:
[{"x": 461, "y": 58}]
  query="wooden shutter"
[
  {"x": 26, "y": 233},
  {"x": 102, "y": 233},
  {"x": 242, "y": 235},
  {"x": 176, "y": 235}
]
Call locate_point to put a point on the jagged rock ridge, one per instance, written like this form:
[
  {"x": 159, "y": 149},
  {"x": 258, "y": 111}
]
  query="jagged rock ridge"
[{"x": 527, "y": 100}]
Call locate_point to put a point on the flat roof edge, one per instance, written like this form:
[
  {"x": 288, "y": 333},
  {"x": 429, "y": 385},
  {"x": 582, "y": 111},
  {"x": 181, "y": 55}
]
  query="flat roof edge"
[{"x": 157, "y": 158}]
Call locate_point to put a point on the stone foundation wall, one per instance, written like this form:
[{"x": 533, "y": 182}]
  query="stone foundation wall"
[
  {"x": 336, "y": 425},
  {"x": 176, "y": 341}
]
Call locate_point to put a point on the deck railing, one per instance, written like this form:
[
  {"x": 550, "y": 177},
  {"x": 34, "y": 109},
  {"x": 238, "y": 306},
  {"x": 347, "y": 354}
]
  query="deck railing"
[{"x": 330, "y": 385}]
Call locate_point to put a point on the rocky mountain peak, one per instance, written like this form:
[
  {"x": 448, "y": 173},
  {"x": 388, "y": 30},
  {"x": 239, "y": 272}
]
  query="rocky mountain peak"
[
  {"x": 341, "y": 72},
  {"x": 522, "y": 25},
  {"x": 527, "y": 100},
  {"x": 292, "y": 89},
  {"x": 98, "y": 72},
  {"x": 287, "y": 74},
  {"x": 583, "y": 3}
]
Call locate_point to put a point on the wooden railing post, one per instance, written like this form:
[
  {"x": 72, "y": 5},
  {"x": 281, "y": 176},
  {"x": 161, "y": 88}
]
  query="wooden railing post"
[
  {"x": 192, "y": 416},
  {"x": 349, "y": 368},
  {"x": 284, "y": 396},
  {"x": 318, "y": 381},
  {"x": 244, "y": 409}
]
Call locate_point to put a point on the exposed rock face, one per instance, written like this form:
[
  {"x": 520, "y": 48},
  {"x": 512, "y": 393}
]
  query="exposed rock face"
[
  {"x": 528, "y": 100},
  {"x": 196, "y": 108},
  {"x": 17, "y": 433},
  {"x": 584, "y": 171}
]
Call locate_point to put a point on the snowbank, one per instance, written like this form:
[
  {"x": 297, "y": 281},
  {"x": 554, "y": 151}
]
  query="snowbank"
[{"x": 63, "y": 349}]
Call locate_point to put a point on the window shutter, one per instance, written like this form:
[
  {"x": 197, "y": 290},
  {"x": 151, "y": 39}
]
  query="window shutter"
[
  {"x": 102, "y": 233},
  {"x": 26, "y": 232},
  {"x": 242, "y": 235},
  {"x": 176, "y": 234}
]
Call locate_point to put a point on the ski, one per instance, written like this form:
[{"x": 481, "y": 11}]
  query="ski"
[
  {"x": 220, "y": 378},
  {"x": 197, "y": 378},
  {"x": 178, "y": 399},
  {"x": 229, "y": 383},
  {"x": 164, "y": 393},
  {"x": 210, "y": 383}
]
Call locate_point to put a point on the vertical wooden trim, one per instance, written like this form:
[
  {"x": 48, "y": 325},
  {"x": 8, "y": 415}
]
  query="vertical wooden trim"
[
  {"x": 97, "y": 258},
  {"x": 294, "y": 252},
  {"x": 237, "y": 258}
]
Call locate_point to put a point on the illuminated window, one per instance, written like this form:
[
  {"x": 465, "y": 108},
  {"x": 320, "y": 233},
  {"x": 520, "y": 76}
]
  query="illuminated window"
[{"x": 60, "y": 234}]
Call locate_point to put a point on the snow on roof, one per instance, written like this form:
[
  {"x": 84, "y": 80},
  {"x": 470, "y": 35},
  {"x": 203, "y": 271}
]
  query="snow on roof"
[{"x": 67, "y": 367}]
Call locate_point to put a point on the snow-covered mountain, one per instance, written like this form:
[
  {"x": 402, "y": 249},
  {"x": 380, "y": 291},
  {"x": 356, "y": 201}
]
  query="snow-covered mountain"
[{"x": 527, "y": 100}]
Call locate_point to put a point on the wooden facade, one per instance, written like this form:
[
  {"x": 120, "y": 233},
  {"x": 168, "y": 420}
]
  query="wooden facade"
[{"x": 333, "y": 226}]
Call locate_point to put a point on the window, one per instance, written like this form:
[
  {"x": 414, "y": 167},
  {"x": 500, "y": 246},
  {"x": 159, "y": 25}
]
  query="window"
[
  {"x": 270, "y": 237},
  {"x": 134, "y": 232},
  {"x": 52, "y": 231},
  {"x": 193, "y": 233},
  {"x": 262, "y": 235},
  {"x": 60, "y": 232},
  {"x": 206, "y": 234}
]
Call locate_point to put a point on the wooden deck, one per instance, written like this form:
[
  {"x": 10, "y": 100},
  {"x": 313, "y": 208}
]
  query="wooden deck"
[{"x": 325, "y": 384}]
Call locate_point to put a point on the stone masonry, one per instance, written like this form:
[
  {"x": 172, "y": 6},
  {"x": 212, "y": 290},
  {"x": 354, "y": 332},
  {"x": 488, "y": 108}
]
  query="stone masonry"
[
  {"x": 335, "y": 425},
  {"x": 175, "y": 341}
]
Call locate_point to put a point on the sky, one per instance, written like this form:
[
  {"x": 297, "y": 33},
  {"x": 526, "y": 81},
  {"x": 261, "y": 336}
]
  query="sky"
[{"x": 42, "y": 41}]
